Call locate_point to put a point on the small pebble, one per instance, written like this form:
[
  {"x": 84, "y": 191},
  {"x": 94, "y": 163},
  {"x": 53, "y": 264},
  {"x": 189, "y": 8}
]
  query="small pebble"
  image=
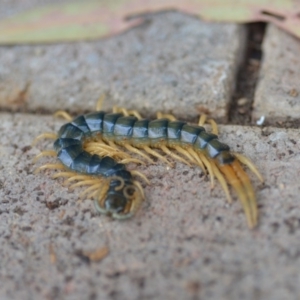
[{"x": 242, "y": 101}]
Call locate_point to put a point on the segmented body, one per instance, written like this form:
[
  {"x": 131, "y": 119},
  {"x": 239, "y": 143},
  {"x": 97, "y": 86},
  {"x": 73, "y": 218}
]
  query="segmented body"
[{"x": 124, "y": 130}]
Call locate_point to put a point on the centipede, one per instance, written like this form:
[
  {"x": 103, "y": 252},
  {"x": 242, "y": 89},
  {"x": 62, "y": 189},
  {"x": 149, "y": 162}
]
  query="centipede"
[{"x": 89, "y": 152}]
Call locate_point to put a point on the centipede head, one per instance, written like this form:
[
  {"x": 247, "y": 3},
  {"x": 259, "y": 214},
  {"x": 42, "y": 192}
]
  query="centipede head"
[{"x": 119, "y": 198}]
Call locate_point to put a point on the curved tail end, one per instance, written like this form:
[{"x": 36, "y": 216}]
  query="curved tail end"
[{"x": 240, "y": 181}]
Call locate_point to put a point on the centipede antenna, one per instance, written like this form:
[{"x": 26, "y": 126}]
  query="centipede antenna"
[
  {"x": 101, "y": 195},
  {"x": 63, "y": 114},
  {"x": 139, "y": 186},
  {"x": 137, "y": 151},
  {"x": 154, "y": 153},
  {"x": 175, "y": 156},
  {"x": 99, "y": 103},
  {"x": 246, "y": 161},
  {"x": 222, "y": 181},
  {"x": 121, "y": 180},
  {"x": 144, "y": 177},
  {"x": 45, "y": 135},
  {"x": 43, "y": 154}
]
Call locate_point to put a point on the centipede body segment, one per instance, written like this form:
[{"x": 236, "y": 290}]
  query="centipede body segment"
[{"x": 87, "y": 146}]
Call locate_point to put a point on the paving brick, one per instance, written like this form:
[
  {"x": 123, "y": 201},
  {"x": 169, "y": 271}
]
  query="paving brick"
[
  {"x": 185, "y": 242},
  {"x": 277, "y": 96},
  {"x": 174, "y": 63}
]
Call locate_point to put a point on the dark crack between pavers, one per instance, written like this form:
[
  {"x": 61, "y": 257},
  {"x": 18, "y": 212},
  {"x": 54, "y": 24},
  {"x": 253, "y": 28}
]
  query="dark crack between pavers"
[{"x": 241, "y": 106}]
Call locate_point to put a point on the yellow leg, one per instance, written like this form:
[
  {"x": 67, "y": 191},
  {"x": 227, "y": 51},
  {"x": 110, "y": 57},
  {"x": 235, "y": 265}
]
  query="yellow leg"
[
  {"x": 214, "y": 126},
  {"x": 170, "y": 117},
  {"x": 137, "y": 173},
  {"x": 154, "y": 153},
  {"x": 63, "y": 174},
  {"x": 113, "y": 145},
  {"x": 202, "y": 120},
  {"x": 49, "y": 166},
  {"x": 105, "y": 150},
  {"x": 246, "y": 161},
  {"x": 185, "y": 153},
  {"x": 137, "y": 151},
  {"x": 100, "y": 102},
  {"x": 208, "y": 167},
  {"x": 90, "y": 190},
  {"x": 117, "y": 109},
  {"x": 82, "y": 177},
  {"x": 131, "y": 160},
  {"x": 175, "y": 156},
  {"x": 45, "y": 135},
  {"x": 212, "y": 122},
  {"x": 126, "y": 112},
  {"x": 44, "y": 153},
  {"x": 196, "y": 157},
  {"x": 222, "y": 181},
  {"x": 93, "y": 194},
  {"x": 135, "y": 113},
  {"x": 84, "y": 182},
  {"x": 64, "y": 115}
]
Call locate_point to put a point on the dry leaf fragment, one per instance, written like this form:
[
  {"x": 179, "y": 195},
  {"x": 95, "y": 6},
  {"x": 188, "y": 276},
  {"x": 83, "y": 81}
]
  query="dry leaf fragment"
[
  {"x": 97, "y": 255},
  {"x": 75, "y": 21}
]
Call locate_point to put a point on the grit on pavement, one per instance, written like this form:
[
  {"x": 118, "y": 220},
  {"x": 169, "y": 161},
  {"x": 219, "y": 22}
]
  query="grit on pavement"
[{"x": 185, "y": 242}]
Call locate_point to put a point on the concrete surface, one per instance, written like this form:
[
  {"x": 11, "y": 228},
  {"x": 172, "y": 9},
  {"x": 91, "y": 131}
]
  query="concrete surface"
[
  {"x": 182, "y": 55},
  {"x": 185, "y": 242},
  {"x": 277, "y": 95}
]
